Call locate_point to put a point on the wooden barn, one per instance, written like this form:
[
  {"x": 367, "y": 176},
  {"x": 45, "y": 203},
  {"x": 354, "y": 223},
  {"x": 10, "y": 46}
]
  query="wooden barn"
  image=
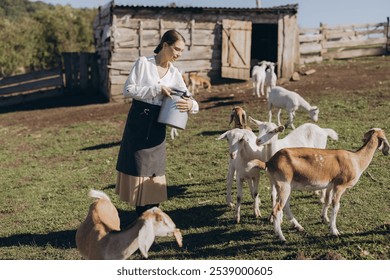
[{"x": 221, "y": 42}]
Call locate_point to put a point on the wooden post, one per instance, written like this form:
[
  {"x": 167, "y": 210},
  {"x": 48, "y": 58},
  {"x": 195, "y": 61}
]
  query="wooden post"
[
  {"x": 95, "y": 78},
  {"x": 140, "y": 35},
  {"x": 75, "y": 69},
  {"x": 323, "y": 38},
  {"x": 192, "y": 29},
  {"x": 84, "y": 70},
  {"x": 161, "y": 27},
  {"x": 387, "y": 30},
  {"x": 67, "y": 57}
]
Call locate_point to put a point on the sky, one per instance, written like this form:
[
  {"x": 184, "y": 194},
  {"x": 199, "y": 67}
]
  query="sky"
[{"x": 310, "y": 12}]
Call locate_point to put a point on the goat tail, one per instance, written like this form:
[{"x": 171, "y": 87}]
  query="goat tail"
[
  {"x": 255, "y": 163},
  {"x": 98, "y": 195},
  {"x": 332, "y": 134}
]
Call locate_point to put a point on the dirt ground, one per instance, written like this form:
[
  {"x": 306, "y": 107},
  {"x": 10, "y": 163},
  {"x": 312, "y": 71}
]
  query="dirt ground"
[{"x": 62, "y": 111}]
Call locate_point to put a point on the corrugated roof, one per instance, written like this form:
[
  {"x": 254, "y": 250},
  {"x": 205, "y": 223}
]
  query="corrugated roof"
[{"x": 286, "y": 8}]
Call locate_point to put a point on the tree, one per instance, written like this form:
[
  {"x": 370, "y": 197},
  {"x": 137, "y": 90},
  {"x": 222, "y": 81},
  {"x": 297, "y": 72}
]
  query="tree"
[{"x": 34, "y": 34}]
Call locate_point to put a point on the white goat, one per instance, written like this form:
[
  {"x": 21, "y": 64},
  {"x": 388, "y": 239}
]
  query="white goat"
[
  {"x": 99, "y": 236},
  {"x": 270, "y": 78},
  {"x": 242, "y": 149},
  {"x": 258, "y": 78},
  {"x": 314, "y": 169},
  {"x": 307, "y": 135},
  {"x": 291, "y": 101}
]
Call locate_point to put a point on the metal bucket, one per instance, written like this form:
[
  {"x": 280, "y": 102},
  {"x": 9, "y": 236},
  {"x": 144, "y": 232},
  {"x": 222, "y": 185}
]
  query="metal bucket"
[{"x": 170, "y": 115}]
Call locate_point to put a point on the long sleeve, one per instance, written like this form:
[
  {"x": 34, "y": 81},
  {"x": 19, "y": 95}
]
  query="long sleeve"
[
  {"x": 139, "y": 83},
  {"x": 144, "y": 82}
]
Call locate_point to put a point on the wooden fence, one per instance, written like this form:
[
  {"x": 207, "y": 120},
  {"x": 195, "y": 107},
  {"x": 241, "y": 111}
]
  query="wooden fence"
[
  {"x": 78, "y": 76},
  {"x": 31, "y": 86},
  {"x": 341, "y": 42}
]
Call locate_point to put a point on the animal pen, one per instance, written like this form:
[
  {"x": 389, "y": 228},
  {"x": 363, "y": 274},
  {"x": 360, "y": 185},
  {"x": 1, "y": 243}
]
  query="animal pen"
[{"x": 220, "y": 42}]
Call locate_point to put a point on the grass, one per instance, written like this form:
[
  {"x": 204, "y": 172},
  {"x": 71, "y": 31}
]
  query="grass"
[{"x": 46, "y": 175}]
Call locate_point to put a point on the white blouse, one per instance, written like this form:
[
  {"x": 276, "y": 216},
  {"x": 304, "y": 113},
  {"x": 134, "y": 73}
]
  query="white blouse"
[{"x": 144, "y": 82}]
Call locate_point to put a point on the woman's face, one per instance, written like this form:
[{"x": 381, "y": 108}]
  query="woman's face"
[{"x": 174, "y": 51}]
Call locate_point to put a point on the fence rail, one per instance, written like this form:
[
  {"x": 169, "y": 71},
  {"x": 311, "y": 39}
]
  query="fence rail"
[
  {"x": 341, "y": 42},
  {"x": 31, "y": 86},
  {"x": 79, "y": 75}
]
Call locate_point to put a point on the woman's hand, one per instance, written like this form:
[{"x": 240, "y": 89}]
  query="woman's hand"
[
  {"x": 166, "y": 91},
  {"x": 184, "y": 104}
]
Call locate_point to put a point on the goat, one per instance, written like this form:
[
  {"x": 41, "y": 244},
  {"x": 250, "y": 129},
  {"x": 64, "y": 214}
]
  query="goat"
[
  {"x": 99, "y": 235},
  {"x": 197, "y": 81},
  {"x": 238, "y": 115},
  {"x": 258, "y": 78},
  {"x": 307, "y": 135},
  {"x": 282, "y": 98},
  {"x": 313, "y": 169},
  {"x": 270, "y": 78},
  {"x": 242, "y": 149}
]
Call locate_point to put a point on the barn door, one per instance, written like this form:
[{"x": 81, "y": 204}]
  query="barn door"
[{"x": 236, "y": 49}]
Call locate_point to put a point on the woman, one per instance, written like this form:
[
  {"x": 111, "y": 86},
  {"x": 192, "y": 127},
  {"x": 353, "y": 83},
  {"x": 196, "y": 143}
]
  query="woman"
[{"x": 141, "y": 161}]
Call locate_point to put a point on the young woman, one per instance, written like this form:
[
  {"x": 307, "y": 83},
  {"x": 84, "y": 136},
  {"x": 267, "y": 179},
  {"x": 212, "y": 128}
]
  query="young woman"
[{"x": 142, "y": 156}]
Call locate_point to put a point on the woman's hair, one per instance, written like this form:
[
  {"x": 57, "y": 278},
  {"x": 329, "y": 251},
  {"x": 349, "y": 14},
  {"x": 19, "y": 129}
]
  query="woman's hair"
[{"x": 170, "y": 37}]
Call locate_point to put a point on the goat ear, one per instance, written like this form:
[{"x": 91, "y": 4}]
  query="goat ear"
[
  {"x": 252, "y": 120},
  {"x": 384, "y": 146},
  {"x": 146, "y": 237},
  {"x": 244, "y": 118},
  {"x": 222, "y": 136},
  {"x": 231, "y": 116}
]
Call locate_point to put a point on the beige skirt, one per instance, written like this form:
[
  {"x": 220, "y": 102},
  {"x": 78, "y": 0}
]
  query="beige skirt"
[{"x": 140, "y": 191}]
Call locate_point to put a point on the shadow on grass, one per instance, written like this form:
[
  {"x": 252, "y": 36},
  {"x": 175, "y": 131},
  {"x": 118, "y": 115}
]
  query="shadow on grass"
[
  {"x": 211, "y": 132},
  {"x": 66, "y": 100},
  {"x": 223, "y": 104},
  {"x": 59, "y": 239},
  {"x": 102, "y": 146}
]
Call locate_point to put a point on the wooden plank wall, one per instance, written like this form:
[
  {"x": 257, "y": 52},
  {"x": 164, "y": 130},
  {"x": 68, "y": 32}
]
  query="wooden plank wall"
[
  {"x": 132, "y": 38},
  {"x": 341, "y": 42}
]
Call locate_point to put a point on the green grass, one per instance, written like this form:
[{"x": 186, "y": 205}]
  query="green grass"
[{"x": 46, "y": 174}]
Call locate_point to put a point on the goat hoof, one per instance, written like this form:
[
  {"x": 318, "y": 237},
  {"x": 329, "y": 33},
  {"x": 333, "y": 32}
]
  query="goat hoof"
[
  {"x": 336, "y": 233},
  {"x": 300, "y": 229},
  {"x": 282, "y": 239}
]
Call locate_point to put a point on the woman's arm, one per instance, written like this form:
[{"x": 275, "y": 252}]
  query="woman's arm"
[
  {"x": 136, "y": 84},
  {"x": 192, "y": 105}
]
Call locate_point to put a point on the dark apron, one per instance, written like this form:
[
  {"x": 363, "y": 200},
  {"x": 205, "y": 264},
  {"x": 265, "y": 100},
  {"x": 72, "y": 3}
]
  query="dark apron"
[{"x": 142, "y": 152}]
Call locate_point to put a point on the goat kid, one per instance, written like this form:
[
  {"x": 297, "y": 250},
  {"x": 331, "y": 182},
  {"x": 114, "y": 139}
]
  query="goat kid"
[
  {"x": 270, "y": 78},
  {"x": 291, "y": 101},
  {"x": 314, "y": 169},
  {"x": 258, "y": 78},
  {"x": 99, "y": 236},
  {"x": 242, "y": 149},
  {"x": 197, "y": 81},
  {"x": 307, "y": 135},
  {"x": 238, "y": 115}
]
